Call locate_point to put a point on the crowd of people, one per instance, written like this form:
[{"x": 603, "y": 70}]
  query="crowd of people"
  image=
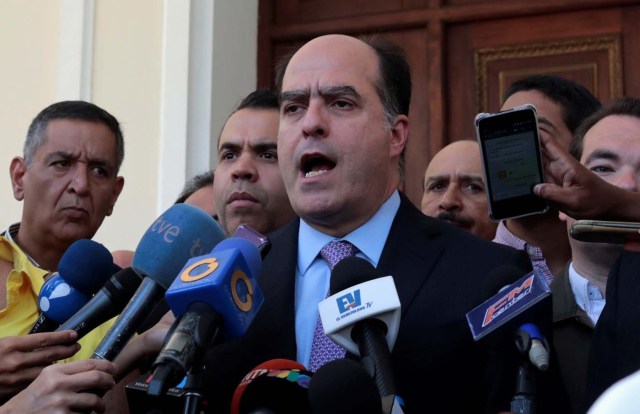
[{"x": 317, "y": 165}]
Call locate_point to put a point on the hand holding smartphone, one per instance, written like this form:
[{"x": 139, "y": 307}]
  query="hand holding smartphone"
[{"x": 511, "y": 161}]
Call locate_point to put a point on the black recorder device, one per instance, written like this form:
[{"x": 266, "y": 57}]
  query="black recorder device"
[{"x": 511, "y": 162}]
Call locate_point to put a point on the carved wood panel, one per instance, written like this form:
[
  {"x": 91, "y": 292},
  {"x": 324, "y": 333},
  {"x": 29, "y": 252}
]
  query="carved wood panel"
[{"x": 464, "y": 53}]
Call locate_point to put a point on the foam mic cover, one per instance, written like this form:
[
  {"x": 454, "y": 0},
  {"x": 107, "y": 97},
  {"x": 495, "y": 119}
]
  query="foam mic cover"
[
  {"x": 265, "y": 367},
  {"x": 281, "y": 391},
  {"x": 83, "y": 269},
  {"x": 343, "y": 387},
  {"x": 105, "y": 304},
  {"x": 181, "y": 232}
]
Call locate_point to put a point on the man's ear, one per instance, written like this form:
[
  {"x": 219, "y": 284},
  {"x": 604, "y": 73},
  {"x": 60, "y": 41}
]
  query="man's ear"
[
  {"x": 117, "y": 189},
  {"x": 399, "y": 134},
  {"x": 17, "y": 170}
]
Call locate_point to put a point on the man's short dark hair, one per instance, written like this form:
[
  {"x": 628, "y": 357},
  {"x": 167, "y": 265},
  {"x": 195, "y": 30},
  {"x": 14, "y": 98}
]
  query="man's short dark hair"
[
  {"x": 260, "y": 99},
  {"x": 394, "y": 85},
  {"x": 74, "y": 110},
  {"x": 621, "y": 106},
  {"x": 576, "y": 100},
  {"x": 202, "y": 180}
]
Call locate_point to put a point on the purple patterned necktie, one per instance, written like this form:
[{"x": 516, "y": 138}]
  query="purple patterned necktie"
[{"x": 323, "y": 349}]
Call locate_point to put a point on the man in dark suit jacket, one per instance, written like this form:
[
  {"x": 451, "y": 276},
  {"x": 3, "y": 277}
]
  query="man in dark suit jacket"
[
  {"x": 614, "y": 349},
  {"x": 343, "y": 129}
]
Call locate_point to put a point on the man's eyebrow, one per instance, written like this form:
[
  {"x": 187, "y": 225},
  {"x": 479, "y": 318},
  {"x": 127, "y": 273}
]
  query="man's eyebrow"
[
  {"x": 64, "y": 155},
  {"x": 228, "y": 146},
  {"x": 261, "y": 146},
  {"x": 342, "y": 90},
  {"x": 437, "y": 177},
  {"x": 331, "y": 91},
  {"x": 602, "y": 155},
  {"x": 264, "y": 146},
  {"x": 545, "y": 121},
  {"x": 295, "y": 95},
  {"x": 471, "y": 177},
  {"x": 61, "y": 154},
  {"x": 434, "y": 178}
]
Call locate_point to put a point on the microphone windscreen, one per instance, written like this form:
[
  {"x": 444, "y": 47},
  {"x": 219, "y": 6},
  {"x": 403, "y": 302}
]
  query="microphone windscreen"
[
  {"x": 350, "y": 272},
  {"x": 247, "y": 249},
  {"x": 343, "y": 387},
  {"x": 86, "y": 265},
  {"x": 279, "y": 390},
  {"x": 258, "y": 371},
  {"x": 181, "y": 232}
]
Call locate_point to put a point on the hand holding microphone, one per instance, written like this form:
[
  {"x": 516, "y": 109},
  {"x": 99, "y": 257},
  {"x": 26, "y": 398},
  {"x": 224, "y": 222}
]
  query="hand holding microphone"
[{"x": 22, "y": 358}]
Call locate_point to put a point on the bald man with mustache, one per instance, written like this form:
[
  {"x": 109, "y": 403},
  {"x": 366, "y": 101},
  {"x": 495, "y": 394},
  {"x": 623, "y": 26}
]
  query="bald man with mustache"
[{"x": 454, "y": 189}]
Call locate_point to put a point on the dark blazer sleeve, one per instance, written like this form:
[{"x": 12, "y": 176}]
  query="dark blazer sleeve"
[{"x": 616, "y": 339}]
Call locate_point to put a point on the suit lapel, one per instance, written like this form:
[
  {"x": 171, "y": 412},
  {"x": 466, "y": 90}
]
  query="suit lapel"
[
  {"x": 411, "y": 251},
  {"x": 277, "y": 316}
]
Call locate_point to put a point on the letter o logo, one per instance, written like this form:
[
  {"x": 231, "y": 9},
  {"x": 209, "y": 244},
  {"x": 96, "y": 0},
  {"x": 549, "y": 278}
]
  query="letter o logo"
[
  {"x": 212, "y": 263},
  {"x": 246, "y": 305}
]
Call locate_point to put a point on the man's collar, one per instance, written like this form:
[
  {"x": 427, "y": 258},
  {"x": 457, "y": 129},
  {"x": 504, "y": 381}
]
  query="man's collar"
[
  {"x": 12, "y": 235},
  {"x": 369, "y": 238}
]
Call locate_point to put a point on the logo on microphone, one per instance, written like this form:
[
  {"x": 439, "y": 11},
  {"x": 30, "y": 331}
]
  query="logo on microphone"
[
  {"x": 508, "y": 300},
  {"x": 349, "y": 301},
  {"x": 196, "y": 271},
  {"x": 242, "y": 290}
]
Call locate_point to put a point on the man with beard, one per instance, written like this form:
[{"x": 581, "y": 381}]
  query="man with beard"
[
  {"x": 248, "y": 187},
  {"x": 454, "y": 189}
]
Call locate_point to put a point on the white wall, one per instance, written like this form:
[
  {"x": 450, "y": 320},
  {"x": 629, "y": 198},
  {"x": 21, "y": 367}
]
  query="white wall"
[
  {"x": 170, "y": 71},
  {"x": 28, "y": 75}
]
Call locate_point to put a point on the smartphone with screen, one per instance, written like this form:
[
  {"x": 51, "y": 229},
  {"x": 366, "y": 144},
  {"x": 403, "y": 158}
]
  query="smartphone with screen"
[
  {"x": 257, "y": 239},
  {"x": 598, "y": 231},
  {"x": 511, "y": 161}
]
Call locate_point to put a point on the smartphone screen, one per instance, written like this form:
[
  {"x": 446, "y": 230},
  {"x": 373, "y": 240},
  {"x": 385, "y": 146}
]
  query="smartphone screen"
[{"x": 512, "y": 162}]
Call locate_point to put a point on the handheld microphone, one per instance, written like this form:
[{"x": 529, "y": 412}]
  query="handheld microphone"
[
  {"x": 531, "y": 342},
  {"x": 82, "y": 270},
  {"x": 364, "y": 317},
  {"x": 262, "y": 369},
  {"x": 105, "y": 304},
  {"x": 509, "y": 311},
  {"x": 281, "y": 391},
  {"x": 215, "y": 292},
  {"x": 181, "y": 232},
  {"x": 343, "y": 387},
  {"x": 510, "y": 308}
]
